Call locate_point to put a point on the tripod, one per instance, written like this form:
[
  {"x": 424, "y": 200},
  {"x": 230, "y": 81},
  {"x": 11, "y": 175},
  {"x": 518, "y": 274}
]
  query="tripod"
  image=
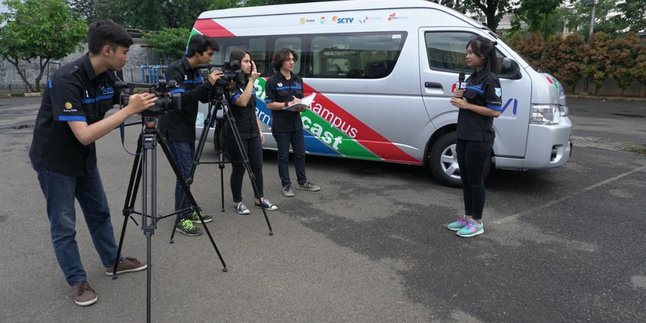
[
  {"x": 147, "y": 144},
  {"x": 218, "y": 102}
]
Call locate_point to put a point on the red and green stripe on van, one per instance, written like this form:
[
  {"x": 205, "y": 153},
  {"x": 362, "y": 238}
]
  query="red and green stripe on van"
[{"x": 324, "y": 134}]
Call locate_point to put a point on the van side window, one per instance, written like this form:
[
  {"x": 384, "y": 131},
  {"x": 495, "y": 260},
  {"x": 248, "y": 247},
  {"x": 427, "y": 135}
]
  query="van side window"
[
  {"x": 446, "y": 51},
  {"x": 258, "y": 50},
  {"x": 294, "y": 43},
  {"x": 363, "y": 56}
]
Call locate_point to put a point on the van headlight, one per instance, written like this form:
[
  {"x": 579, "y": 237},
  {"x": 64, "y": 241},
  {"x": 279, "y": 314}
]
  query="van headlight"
[{"x": 545, "y": 114}]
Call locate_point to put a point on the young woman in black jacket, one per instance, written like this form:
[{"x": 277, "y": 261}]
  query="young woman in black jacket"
[
  {"x": 243, "y": 107},
  {"x": 479, "y": 103}
]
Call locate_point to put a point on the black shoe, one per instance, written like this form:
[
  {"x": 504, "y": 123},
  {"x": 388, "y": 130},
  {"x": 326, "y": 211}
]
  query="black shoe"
[
  {"x": 186, "y": 227},
  {"x": 196, "y": 219}
]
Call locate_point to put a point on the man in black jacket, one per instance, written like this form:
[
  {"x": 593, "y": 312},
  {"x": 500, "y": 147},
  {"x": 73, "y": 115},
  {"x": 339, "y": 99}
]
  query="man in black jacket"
[
  {"x": 178, "y": 127},
  {"x": 71, "y": 118}
]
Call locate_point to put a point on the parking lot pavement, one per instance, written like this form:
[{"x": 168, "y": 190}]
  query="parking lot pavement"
[{"x": 561, "y": 245}]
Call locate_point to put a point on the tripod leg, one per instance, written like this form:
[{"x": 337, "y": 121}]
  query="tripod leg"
[
  {"x": 129, "y": 203},
  {"x": 219, "y": 139},
  {"x": 187, "y": 192},
  {"x": 148, "y": 142}
]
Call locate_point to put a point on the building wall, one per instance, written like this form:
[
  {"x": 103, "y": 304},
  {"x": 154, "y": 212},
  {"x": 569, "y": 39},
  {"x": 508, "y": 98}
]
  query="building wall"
[{"x": 10, "y": 81}]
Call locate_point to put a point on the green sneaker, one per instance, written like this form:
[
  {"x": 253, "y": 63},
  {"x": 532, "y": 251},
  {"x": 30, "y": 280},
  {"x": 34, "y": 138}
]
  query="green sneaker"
[
  {"x": 472, "y": 229},
  {"x": 196, "y": 219},
  {"x": 458, "y": 224},
  {"x": 187, "y": 227}
]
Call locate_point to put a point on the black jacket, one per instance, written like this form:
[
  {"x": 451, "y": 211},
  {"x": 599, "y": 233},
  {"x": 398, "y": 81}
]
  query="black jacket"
[
  {"x": 74, "y": 93},
  {"x": 483, "y": 90},
  {"x": 280, "y": 89},
  {"x": 180, "y": 125}
]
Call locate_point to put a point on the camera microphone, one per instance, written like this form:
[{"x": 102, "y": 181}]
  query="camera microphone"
[{"x": 461, "y": 84}]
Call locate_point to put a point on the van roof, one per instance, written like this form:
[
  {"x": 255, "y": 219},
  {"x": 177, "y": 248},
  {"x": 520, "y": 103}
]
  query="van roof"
[{"x": 327, "y": 6}]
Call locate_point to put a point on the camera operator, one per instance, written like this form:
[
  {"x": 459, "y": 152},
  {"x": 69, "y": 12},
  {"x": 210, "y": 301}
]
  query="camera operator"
[
  {"x": 70, "y": 120},
  {"x": 242, "y": 96},
  {"x": 178, "y": 127}
]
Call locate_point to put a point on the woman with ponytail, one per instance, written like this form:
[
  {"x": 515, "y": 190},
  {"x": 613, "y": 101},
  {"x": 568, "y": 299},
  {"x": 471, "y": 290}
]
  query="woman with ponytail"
[
  {"x": 243, "y": 107},
  {"x": 478, "y": 104}
]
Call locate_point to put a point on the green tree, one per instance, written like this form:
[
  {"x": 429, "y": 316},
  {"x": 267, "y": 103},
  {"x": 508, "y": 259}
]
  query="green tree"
[
  {"x": 529, "y": 46},
  {"x": 493, "y": 10},
  {"x": 598, "y": 64},
  {"x": 579, "y": 17},
  {"x": 622, "y": 56},
  {"x": 631, "y": 17},
  {"x": 572, "y": 52},
  {"x": 92, "y": 10},
  {"x": 550, "y": 56},
  {"x": 144, "y": 14},
  {"x": 168, "y": 42},
  {"x": 639, "y": 70},
  {"x": 539, "y": 15},
  {"x": 39, "y": 29}
]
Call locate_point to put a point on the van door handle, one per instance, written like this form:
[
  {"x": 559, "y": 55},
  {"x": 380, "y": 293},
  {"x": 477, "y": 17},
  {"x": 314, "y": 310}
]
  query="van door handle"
[{"x": 433, "y": 85}]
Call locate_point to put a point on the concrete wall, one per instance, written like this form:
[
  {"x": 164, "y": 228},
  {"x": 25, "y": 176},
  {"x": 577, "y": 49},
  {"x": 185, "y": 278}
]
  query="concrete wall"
[{"x": 10, "y": 81}]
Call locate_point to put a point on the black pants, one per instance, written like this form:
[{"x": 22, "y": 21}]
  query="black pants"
[
  {"x": 472, "y": 156},
  {"x": 253, "y": 147}
]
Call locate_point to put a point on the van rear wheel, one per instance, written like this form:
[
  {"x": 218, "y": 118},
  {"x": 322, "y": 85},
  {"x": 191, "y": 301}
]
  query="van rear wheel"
[{"x": 443, "y": 161}]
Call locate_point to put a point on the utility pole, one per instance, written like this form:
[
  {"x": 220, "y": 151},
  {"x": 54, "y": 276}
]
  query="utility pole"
[
  {"x": 592, "y": 3},
  {"x": 594, "y": 6}
]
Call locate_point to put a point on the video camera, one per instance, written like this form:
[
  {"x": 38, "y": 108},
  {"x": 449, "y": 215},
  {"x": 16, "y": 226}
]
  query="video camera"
[
  {"x": 169, "y": 97},
  {"x": 230, "y": 72}
]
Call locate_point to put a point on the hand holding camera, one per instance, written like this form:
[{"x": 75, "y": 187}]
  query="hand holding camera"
[
  {"x": 214, "y": 76},
  {"x": 139, "y": 102}
]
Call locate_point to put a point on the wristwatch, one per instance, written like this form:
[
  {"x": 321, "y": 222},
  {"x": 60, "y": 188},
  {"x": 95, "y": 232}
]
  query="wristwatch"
[{"x": 286, "y": 104}]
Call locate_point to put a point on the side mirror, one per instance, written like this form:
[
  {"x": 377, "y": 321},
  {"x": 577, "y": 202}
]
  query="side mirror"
[{"x": 509, "y": 69}]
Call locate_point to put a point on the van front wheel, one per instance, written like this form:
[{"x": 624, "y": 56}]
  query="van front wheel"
[{"x": 443, "y": 161}]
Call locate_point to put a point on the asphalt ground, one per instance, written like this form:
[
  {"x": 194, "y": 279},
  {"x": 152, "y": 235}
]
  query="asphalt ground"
[{"x": 561, "y": 245}]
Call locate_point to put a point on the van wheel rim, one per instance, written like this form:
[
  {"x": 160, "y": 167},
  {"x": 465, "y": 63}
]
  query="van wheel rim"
[{"x": 449, "y": 162}]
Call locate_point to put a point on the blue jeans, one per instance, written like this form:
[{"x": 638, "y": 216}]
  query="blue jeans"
[
  {"x": 182, "y": 153},
  {"x": 60, "y": 191},
  {"x": 283, "y": 140}
]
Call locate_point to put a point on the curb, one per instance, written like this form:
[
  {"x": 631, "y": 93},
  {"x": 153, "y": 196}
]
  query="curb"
[
  {"x": 20, "y": 95},
  {"x": 609, "y": 98}
]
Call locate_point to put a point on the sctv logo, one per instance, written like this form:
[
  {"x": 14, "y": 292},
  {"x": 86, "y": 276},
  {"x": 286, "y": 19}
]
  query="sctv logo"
[{"x": 340, "y": 20}]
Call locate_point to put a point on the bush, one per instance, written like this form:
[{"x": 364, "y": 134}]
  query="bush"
[{"x": 622, "y": 55}]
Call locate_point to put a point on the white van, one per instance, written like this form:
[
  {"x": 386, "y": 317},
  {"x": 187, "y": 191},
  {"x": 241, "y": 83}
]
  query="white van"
[{"x": 383, "y": 72}]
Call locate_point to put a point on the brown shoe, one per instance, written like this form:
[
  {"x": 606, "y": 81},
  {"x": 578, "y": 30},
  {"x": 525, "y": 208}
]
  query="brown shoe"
[
  {"x": 83, "y": 294},
  {"x": 126, "y": 265}
]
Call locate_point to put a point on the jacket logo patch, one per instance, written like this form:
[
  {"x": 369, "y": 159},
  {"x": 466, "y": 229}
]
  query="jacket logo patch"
[
  {"x": 498, "y": 92},
  {"x": 68, "y": 105}
]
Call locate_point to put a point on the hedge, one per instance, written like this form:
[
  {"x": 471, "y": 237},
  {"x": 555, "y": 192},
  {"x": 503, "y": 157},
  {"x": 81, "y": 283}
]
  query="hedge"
[{"x": 570, "y": 58}]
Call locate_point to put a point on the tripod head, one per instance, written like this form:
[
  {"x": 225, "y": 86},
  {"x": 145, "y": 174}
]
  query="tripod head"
[{"x": 149, "y": 122}]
